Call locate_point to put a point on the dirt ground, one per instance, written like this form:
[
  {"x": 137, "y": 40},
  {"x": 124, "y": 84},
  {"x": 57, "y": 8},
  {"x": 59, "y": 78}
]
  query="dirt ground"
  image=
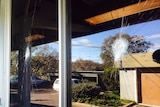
[
  {"x": 43, "y": 97},
  {"x": 39, "y": 98},
  {"x": 47, "y": 97}
]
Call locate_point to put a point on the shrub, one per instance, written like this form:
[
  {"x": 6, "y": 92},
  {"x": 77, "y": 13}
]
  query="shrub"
[
  {"x": 101, "y": 101},
  {"x": 89, "y": 93},
  {"x": 114, "y": 103},
  {"x": 81, "y": 100},
  {"x": 110, "y": 96},
  {"x": 85, "y": 90},
  {"x": 88, "y": 100},
  {"x": 110, "y": 79}
]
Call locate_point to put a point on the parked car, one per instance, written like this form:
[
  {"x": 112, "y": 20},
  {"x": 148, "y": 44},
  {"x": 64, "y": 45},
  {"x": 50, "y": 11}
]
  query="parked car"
[
  {"x": 35, "y": 81},
  {"x": 56, "y": 83}
]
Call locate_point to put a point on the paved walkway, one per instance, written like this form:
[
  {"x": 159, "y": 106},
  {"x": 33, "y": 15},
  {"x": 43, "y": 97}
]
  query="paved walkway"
[{"x": 144, "y": 105}]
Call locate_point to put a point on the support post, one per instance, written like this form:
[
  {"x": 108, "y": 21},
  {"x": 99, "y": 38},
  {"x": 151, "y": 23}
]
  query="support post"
[
  {"x": 5, "y": 49},
  {"x": 24, "y": 66},
  {"x": 64, "y": 33}
]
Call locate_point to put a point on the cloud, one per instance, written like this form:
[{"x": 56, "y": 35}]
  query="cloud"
[
  {"x": 154, "y": 47},
  {"x": 75, "y": 43},
  {"x": 156, "y": 36},
  {"x": 83, "y": 42},
  {"x": 155, "y": 39}
]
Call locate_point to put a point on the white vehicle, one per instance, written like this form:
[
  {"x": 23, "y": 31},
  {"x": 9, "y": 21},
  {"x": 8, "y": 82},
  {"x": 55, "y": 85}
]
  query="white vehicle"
[{"x": 56, "y": 83}]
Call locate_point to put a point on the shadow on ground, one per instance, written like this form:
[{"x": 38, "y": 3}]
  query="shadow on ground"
[
  {"x": 14, "y": 102},
  {"x": 38, "y": 90},
  {"x": 33, "y": 105}
]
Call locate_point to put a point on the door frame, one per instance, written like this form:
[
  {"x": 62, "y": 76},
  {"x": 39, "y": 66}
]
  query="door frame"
[{"x": 5, "y": 49}]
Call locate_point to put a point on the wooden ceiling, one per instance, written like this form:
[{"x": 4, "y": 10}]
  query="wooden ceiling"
[{"x": 39, "y": 17}]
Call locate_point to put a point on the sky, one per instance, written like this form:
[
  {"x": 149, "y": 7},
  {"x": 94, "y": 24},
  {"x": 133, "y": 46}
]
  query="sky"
[{"x": 89, "y": 47}]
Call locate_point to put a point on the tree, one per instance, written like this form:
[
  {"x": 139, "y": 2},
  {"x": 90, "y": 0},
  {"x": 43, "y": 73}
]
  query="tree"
[
  {"x": 14, "y": 63},
  {"x": 106, "y": 49},
  {"x": 136, "y": 45},
  {"x": 86, "y": 65},
  {"x": 45, "y": 59}
]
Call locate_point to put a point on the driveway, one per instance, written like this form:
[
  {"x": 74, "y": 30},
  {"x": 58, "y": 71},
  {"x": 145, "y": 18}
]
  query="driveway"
[
  {"x": 39, "y": 97},
  {"x": 47, "y": 97}
]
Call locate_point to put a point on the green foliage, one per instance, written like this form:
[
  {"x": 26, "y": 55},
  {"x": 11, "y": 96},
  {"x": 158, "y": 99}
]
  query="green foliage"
[
  {"x": 89, "y": 93},
  {"x": 114, "y": 103},
  {"x": 126, "y": 101},
  {"x": 88, "y": 100},
  {"x": 81, "y": 100},
  {"x": 110, "y": 99},
  {"x": 99, "y": 102},
  {"x": 110, "y": 95},
  {"x": 14, "y": 63},
  {"x": 85, "y": 90},
  {"x": 45, "y": 59},
  {"x": 110, "y": 79}
]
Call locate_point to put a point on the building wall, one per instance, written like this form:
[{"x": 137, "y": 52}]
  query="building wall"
[{"x": 128, "y": 84}]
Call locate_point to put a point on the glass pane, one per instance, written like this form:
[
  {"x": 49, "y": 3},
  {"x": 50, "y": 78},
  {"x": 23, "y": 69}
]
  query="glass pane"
[
  {"x": 117, "y": 64},
  {"x": 33, "y": 60},
  {"x": 112, "y": 48}
]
